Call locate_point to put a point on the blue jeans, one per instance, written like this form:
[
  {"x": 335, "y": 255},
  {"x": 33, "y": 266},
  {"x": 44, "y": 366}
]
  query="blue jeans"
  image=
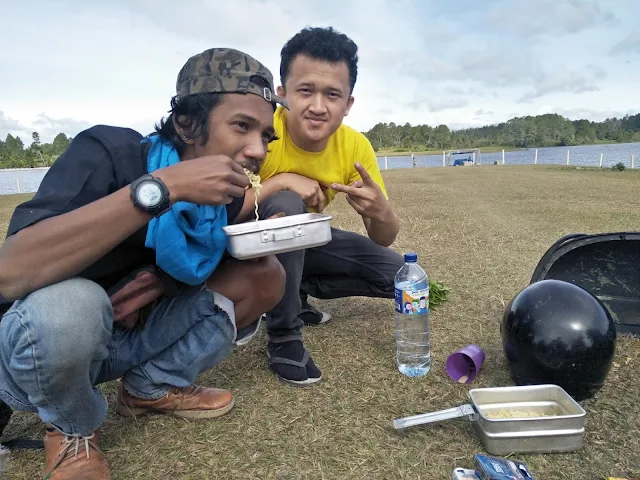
[{"x": 59, "y": 342}]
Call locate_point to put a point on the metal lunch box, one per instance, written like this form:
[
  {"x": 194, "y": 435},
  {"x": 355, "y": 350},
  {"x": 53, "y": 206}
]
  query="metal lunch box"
[
  {"x": 521, "y": 419},
  {"x": 277, "y": 235}
]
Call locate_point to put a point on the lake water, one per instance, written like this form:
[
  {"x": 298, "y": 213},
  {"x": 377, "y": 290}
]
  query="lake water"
[
  {"x": 588, "y": 155},
  {"x": 23, "y": 180},
  {"x": 27, "y": 180}
]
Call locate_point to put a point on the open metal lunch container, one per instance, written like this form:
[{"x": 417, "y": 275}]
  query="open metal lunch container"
[
  {"x": 277, "y": 235},
  {"x": 520, "y": 419}
]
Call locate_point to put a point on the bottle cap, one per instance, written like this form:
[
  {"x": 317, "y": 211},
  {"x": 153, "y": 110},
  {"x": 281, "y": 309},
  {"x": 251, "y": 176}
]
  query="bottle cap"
[{"x": 410, "y": 257}]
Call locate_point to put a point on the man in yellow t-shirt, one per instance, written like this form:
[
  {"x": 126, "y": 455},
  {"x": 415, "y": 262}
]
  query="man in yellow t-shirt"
[{"x": 315, "y": 158}]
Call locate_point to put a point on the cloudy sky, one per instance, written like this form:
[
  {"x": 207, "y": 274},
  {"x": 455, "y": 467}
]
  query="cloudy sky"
[{"x": 69, "y": 64}]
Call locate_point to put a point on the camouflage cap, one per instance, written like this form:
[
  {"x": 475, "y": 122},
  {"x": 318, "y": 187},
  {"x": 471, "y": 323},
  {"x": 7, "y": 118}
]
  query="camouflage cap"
[{"x": 225, "y": 70}]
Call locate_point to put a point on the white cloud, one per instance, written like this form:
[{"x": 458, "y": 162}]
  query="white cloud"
[
  {"x": 12, "y": 126},
  {"x": 49, "y": 127},
  {"x": 46, "y": 126},
  {"x": 564, "y": 82},
  {"x": 437, "y": 103},
  {"x": 628, "y": 45},
  {"x": 594, "y": 115},
  {"x": 550, "y": 17},
  {"x": 73, "y": 63}
]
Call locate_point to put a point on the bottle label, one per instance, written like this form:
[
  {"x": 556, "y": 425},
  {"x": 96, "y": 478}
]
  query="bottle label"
[{"x": 412, "y": 302}]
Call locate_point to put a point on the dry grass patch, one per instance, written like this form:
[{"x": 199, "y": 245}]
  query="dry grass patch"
[{"x": 481, "y": 231}]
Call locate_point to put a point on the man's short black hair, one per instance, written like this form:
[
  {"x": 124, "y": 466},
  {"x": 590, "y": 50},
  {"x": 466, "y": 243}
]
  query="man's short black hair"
[
  {"x": 320, "y": 44},
  {"x": 192, "y": 114}
]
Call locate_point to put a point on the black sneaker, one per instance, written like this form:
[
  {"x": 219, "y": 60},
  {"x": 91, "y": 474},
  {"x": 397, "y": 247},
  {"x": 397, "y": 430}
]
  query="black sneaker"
[
  {"x": 291, "y": 362},
  {"x": 312, "y": 316}
]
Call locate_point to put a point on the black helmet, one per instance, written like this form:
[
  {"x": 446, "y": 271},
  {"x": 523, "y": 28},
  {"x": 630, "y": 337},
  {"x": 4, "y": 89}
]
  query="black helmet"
[{"x": 556, "y": 332}]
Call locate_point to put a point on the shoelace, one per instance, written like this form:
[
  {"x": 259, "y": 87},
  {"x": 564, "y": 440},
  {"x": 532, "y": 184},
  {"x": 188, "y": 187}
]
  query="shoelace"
[{"x": 71, "y": 440}]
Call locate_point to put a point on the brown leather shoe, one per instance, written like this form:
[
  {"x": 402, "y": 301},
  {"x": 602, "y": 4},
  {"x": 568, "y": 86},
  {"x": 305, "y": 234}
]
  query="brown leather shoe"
[
  {"x": 188, "y": 402},
  {"x": 74, "y": 458}
]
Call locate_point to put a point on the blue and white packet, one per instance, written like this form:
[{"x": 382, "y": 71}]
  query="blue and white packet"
[{"x": 494, "y": 468}]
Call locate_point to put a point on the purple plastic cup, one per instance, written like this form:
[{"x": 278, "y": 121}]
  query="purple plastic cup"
[{"x": 463, "y": 366}]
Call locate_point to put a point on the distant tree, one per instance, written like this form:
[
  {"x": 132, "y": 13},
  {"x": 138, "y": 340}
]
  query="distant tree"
[
  {"x": 34, "y": 152},
  {"x": 13, "y": 144},
  {"x": 60, "y": 144},
  {"x": 585, "y": 131},
  {"x": 632, "y": 122},
  {"x": 35, "y": 136},
  {"x": 529, "y": 131},
  {"x": 524, "y": 132},
  {"x": 441, "y": 136}
]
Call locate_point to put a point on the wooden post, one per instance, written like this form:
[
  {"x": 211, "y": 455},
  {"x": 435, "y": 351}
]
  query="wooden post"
[
  {"x": 474, "y": 158},
  {"x": 18, "y": 182},
  {"x": 601, "y": 155},
  {"x": 444, "y": 162},
  {"x": 503, "y": 156},
  {"x": 386, "y": 163},
  {"x": 567, "y": 157},
  {"x": 535, "y": 159},
  {"x": 413, "y": 160}
]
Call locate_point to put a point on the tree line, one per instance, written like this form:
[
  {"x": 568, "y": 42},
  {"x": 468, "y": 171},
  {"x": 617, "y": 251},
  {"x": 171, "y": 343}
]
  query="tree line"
[
  {"x": 14, "y": 154},
  {"x": 549, "y": 130}
]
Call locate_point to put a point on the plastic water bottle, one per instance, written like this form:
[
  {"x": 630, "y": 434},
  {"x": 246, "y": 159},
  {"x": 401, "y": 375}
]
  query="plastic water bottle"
[{"x": 413, "y": 346}]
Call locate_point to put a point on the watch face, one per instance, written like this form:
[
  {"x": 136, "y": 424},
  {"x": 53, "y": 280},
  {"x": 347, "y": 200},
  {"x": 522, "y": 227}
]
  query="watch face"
[{"x": 149, "y": 194}]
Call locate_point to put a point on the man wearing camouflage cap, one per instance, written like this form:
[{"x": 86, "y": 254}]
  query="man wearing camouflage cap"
[{"x": 132, "y": 281}]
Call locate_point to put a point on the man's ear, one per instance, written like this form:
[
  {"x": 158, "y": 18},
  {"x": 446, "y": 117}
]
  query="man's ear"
[
  {"x": 349, "y": 105},
  {"x": 183, "y": 136},
  {"x": 280, "y": 91}
]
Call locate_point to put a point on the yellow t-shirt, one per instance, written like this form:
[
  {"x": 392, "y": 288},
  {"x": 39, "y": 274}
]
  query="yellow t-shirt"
[{"x": 335, "y": 164}]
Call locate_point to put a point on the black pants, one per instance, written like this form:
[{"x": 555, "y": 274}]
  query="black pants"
[{"x": 349, "y": 265}]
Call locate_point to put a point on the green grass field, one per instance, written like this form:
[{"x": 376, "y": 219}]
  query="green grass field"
[{"x": 479, "y": 230}]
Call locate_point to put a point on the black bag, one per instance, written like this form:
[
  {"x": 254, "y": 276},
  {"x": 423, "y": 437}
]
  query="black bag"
[
  {"x": 16, "y": 443},
  {"x": 605, "y": 264}
]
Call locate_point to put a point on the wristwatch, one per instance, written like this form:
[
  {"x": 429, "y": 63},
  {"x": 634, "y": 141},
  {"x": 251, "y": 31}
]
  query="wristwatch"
[{"x": 150, "y": 194}]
